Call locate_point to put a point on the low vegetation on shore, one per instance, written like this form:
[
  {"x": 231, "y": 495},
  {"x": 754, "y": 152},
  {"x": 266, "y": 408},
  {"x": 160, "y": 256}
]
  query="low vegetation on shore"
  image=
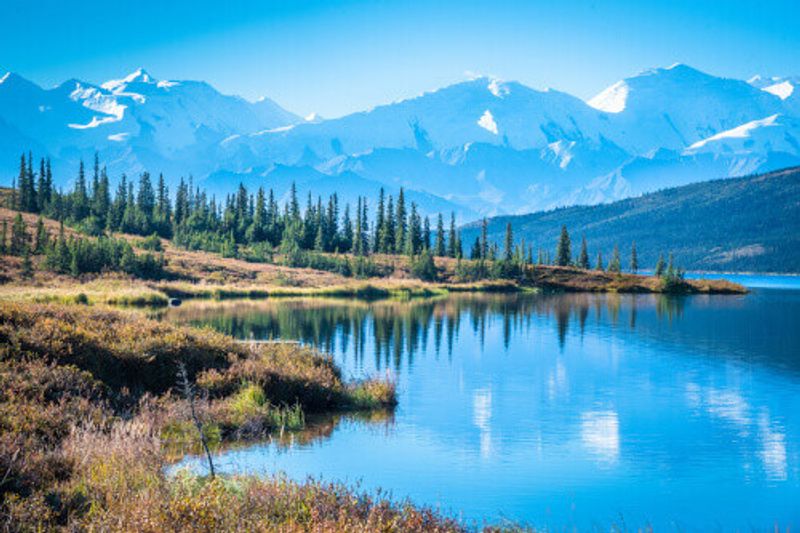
[
  {"x": 91, "y": 414},
  {"x": 199, "y": 274}
]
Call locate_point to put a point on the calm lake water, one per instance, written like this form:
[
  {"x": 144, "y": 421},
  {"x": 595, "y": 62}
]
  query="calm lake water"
[{"x": 572, "y": 410}]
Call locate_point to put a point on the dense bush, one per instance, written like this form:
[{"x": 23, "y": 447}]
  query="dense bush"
[
  {"x": 76, "y": 256},
  {"x": 423, "y": 267}
]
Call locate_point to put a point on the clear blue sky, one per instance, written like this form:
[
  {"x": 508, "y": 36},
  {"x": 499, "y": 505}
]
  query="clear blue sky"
[{"x": 337, "y": 57}]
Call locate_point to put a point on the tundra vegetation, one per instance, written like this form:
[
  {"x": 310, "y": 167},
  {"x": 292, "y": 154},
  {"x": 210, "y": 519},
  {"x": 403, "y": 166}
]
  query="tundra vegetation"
[{"x": 92, "y": 414}]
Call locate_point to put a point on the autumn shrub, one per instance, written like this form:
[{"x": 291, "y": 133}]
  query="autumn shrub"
[{"x": 90, "y": 419}]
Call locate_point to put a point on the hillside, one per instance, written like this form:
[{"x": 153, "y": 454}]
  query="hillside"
[{"x": 738, "y": 224}]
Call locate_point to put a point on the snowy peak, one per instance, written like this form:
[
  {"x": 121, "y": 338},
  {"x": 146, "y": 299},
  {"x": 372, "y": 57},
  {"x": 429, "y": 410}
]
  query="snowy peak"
[
  {"x": 498, "y": 88},
  {"x": 612, "y": 99},
  {"x": 782, "y": 90},
  {"x": 139, "y": 75},
  {"x": 677, "y": 106}
]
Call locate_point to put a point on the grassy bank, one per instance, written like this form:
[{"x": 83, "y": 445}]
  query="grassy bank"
[
  {"x": 90, "y": 416},
  {"x": 114, "y": 289},
  {"x": 198, "y": 274}
]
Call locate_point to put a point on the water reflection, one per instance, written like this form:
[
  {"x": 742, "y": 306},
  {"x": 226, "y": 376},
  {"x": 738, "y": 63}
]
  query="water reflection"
[
  {"x": 562, "y": 410},
  {"x": 396, "y": 331}
]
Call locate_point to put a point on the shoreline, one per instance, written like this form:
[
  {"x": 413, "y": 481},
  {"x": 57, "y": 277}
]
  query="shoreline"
[{"x": 127, "y": 292}]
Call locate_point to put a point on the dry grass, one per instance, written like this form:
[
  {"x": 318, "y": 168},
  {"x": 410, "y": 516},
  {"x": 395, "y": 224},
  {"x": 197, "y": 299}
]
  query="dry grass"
[
  {"x": 87, "y": 412},
  {"x": 576, "y": 280},
  {"x": 120, "y": 485}
]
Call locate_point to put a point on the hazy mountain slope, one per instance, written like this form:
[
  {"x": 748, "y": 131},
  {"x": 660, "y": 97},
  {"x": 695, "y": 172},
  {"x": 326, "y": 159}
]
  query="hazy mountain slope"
[
  {"x": 347, "y": 185},
  {"x": 745, "y": 224}
]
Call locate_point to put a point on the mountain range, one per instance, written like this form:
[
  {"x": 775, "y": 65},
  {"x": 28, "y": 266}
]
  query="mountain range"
[{"x": 479, "y": 147}]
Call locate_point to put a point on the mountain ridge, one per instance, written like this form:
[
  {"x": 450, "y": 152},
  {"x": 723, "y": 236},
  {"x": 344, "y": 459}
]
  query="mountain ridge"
[{"x": 486, "y": 145}]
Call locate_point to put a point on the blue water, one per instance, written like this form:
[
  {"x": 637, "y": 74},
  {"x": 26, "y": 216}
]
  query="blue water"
[{"x": 558, "y": 410}]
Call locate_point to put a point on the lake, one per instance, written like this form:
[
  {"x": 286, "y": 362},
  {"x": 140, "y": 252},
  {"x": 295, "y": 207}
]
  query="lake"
[{"x": 559, "y": 411}]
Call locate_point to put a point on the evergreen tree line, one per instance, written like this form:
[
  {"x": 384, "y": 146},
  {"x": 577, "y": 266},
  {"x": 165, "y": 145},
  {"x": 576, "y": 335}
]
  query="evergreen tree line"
[
  {"x": 254, "y": 226},
  {"x": 665, "y": 270},
  {"x": 243, "y": 224},
  {"x": 198, "y": 221}
]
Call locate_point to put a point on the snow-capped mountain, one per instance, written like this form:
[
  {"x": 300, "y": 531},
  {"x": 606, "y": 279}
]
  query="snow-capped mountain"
[
  {"x": 136, "y": 122},
  {"x": 678, "y": 106},
  {"x": 480, "y": 146}
]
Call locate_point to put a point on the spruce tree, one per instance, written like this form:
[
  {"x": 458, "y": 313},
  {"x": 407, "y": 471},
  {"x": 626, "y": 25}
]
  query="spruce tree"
[
  {"x": 319, "y": 240},
  {"x": 583, "y": 258},
  {"x": 615, "y": 265},
  {"x": 347, "y": 230},
  {"x": 80, "y": 199},
  {"x": 670, "y": 272},
  {"x": 145, "y": 203},
  {"x": 41, "y": 243},
  {"x": 22, "y": 199},
  {"x": 42, "y": 199},
  {"x": 95, "y": 183},
  {"x": 451, "y": 240},
  {"x": 19, "y": 236},
  {"x": 564, "y": 248},
  {"x": 101, "y": 199},
  {"x": 599, "y": 263},
  {"x": 27, "y": 266},
  {"x": 484, "y": 238},
  {"x": 475, "y": 252},
  {"x": 508, "y": 243},
  {"x": 634, "y": 259},
  {"x": 181, "y": 202},
  {"x": 380, "y": 223},
  {"x": 332, "y": 222},
  {"x": 401, "y": 223},
  {"x": 48, "y": 192},
  {"x": 258, "y": 229},
  {"x": 414, "y": 236},
  {"x": 4, "y": 239},
  {"x": 358, "y": 232},
  {"x": 389, "y": 233},
  {"x": 439, "y": 249},
  {"x": 163, "y": 207},
  {"x": 294, "y": 205},
  {"x": 660, "y": 266},
  {"x": 62, "y": 253}
]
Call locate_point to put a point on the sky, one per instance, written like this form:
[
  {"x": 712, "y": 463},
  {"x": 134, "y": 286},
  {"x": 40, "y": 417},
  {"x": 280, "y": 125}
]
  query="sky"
[{"x": 334, "y": 58}]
